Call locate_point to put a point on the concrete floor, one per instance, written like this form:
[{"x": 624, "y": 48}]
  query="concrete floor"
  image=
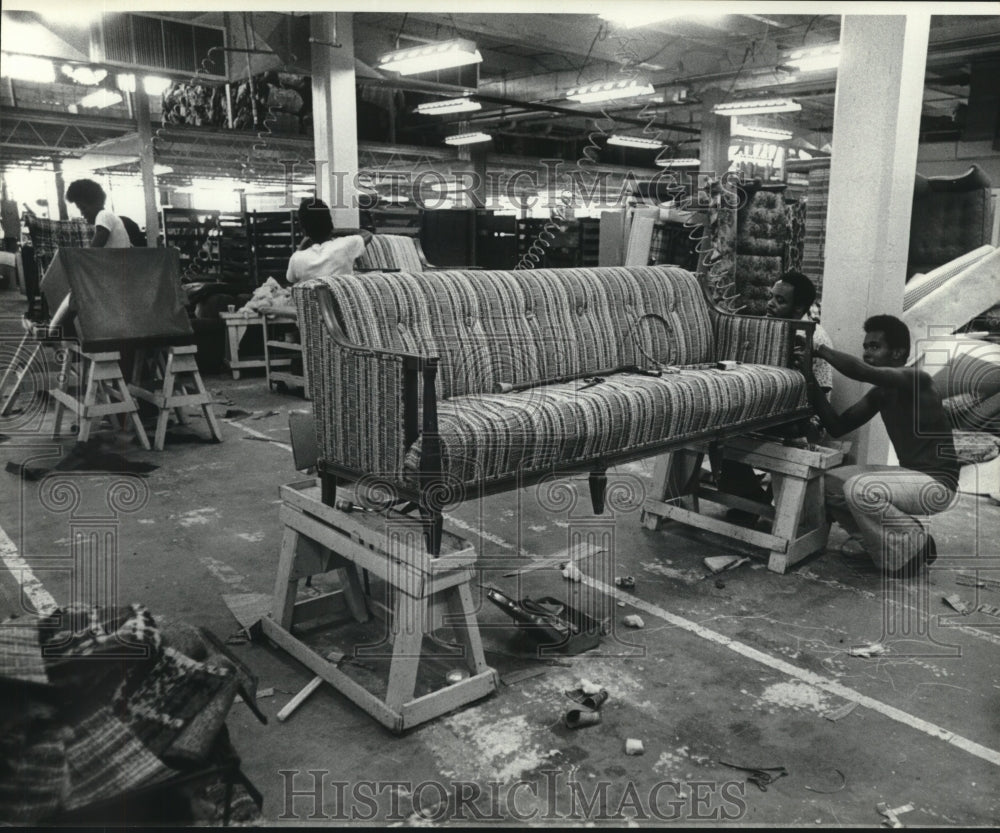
[{"x": 743, "y": 669}]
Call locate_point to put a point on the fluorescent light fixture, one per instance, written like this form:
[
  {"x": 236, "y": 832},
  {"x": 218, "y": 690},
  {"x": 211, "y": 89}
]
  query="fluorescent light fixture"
[
  {"x": 155, "y": 84},
  {"x": 126, "y": 82},
  {"x": 635, "y": 142},
  {"x": 444, "y": 55},
  {"x": 27, "y": 68},
  {"x": 773, "y": 134},
  {"x": 451, "y": 105},
  {"x": 680, "y": 162},
  {"x": 161, "y": 170},
  {"x": 756, "y": 106},
  {"x": 609, "y": 90},
  {"x": 467, "y": 138},
  {"x": 88, "y": 76},
  {"x": 631, "y": 15},
  {"x": 100, "y": 99},
  {"x": 814, "y": 58}
]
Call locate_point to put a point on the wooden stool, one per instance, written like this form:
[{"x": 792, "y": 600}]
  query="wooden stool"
[
  {"x": 274, "y": 347},
  {"x": 162, "y": 376},
  {"x": 318, "y": 539},
  {"x": 104, "y": 392},
  {"x": 799, "y": 525},
  {"x": 237, "y": 325}
]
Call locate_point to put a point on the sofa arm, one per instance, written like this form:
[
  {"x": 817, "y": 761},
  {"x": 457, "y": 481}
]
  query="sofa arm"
[
  {"x": 755, "y": 339},
  {"x": 366, "y": 401}
]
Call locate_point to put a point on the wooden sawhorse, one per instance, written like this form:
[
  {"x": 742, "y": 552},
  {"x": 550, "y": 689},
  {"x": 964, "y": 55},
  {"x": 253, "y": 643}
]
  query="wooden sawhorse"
[
  {"x": 103, "y": 392},
  {"x": 319, "y": 538},
  {"x": 799, "y": 525},
  {"x": 162, "y": 376}
]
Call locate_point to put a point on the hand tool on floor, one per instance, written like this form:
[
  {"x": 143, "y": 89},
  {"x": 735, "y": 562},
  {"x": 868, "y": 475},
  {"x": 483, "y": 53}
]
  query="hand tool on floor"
[{"x": 760, "y": 775}]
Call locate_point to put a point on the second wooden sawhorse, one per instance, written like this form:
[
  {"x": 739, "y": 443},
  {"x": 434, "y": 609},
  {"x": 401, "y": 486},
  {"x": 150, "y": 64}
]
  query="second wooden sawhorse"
[
  {"x": 168, "y": 377},
  {"x": 318, "y": 539},
  {"x": 799, "y": 525}
]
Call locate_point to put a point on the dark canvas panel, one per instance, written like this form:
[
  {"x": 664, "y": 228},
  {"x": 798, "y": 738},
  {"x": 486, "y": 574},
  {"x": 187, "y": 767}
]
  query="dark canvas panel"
[{"x": 120, "y": 294}]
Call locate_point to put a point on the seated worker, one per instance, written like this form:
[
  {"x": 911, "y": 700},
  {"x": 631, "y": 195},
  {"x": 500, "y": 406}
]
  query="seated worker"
[
  {"x": 877, "y": 505},
  {"x": 321, "y": 254},
  {"x": 89, "y": 198},
  {"x": 791, "y": 297}
]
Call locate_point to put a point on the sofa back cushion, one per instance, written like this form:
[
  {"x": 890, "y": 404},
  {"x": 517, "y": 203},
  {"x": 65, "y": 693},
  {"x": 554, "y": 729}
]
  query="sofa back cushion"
[
  {"x": 391, "y": 251},
  {"x": 529, "y": 326},
  {"x": 951, "y": 216}
]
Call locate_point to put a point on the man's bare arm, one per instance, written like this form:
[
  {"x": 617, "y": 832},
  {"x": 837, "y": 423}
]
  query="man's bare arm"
[{"x": 854, "y": 368}]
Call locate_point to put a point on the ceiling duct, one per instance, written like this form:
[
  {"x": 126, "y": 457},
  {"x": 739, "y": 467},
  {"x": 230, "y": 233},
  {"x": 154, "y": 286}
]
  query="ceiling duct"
[{"x": 161, "y": 44}]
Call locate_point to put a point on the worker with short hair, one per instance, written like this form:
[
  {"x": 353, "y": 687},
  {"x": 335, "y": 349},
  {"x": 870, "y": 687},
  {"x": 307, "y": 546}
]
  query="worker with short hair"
[{"x": 109, "y": 231}]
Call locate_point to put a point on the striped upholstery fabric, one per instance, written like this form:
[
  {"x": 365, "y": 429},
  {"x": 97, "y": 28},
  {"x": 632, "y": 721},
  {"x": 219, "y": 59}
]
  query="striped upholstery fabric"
[
  {"x": 391, "y": 251},
  {"x": 752, "y": 340},
  {"x": 529, "y": 326},
  {"x": 486, "y": 437},
  {"x": 537, "y": 327}
]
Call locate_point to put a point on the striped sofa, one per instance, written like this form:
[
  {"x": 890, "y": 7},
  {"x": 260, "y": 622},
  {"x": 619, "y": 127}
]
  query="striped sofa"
[{"x": 437, "y": 387}]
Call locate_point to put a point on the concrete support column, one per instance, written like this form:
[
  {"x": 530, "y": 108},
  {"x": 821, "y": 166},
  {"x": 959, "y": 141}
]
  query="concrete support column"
[
  {"x": 62, "y": 211},
  {"x": 146, "y": 161},
  {"x": 714, "y": 148},
  {"x": 876, "y": 126},
  {"x": 335, "y": 119}
]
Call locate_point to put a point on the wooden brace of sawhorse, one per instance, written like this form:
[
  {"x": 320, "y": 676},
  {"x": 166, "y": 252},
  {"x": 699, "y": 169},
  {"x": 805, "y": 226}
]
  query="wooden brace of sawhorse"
[
  {"x": 101, "y": 379},
  {"x": 162, "y": 375},
  {"x": 319, "y": 538},
  {"x": 799, "y": 524}
]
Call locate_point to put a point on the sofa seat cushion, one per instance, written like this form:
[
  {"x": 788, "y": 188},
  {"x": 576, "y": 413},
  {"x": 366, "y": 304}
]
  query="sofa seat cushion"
[{"x": 487, "y": 437}]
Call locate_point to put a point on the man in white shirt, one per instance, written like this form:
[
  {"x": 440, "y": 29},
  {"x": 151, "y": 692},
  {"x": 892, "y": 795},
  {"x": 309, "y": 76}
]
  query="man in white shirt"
[
  {"x": 321, "y": 254},
  {"x": 109, "y": 231}
]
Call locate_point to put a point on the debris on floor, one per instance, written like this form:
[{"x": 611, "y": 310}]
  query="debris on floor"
[
  {"x": 633, "y": 746},
  {"x": 837, "y": 789},
  {"x": 625, "y": 582},
  {"x": 842, "y": 711},
  {"x": 975, "y": 581},
  {"x": 572, "y": 572},
  {"x": 85, "y": 456},
  {"x": 892, "y": 816},
  {"x": 633, "y": 620},
  {"x": 578, "y": 718},
  {"x": 247, "y": 608},
  {"x": 874, "y": 649},
  {"x": 723, "y": 563},
  {"x": 515, "y": 677},
  {"x": 592, "y": 697},
  {"x": 955, "y": 603},
  {"x": 762, "y": 776},
  {"x": 261, "y": 694},
  {"x": 299, "y": 699}
]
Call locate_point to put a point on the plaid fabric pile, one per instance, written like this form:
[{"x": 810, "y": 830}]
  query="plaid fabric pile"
[
  {"x": 101, "y": 706},
  {"x": 49, "y": 235}
]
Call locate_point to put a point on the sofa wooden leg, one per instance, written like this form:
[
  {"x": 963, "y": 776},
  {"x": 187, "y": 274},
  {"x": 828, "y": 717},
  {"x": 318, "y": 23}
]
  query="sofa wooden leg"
[
  {"x": 598, "y": 483},
  {"x": 328, "y": 489}
]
